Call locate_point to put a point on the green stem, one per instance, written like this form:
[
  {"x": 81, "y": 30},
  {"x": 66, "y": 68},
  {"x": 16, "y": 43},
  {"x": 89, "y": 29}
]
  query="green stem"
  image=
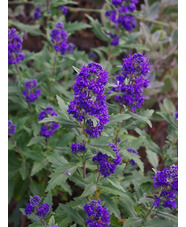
[
  {"x": 53, "y": 71},
  {"x": 43, "y": 223},
  {"x": 54, "y": 65},
  {"x": 85, "y": 10},
  {"x": 30, "y": 109},
  {"x": 47, "y": 4},
  {"x": 118, "y": 130},
  {"x": 147, "y": 214},
  {"x": 16, "y": 147},
  {"x": 84, "y": 169},
  {"x": 98, "y": 178},
  {"x": 84, "y": 142},
  {"x": 18, "y": 71}
]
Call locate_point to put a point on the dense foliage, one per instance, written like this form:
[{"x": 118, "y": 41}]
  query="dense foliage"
[{"x": 93, "y": 138}]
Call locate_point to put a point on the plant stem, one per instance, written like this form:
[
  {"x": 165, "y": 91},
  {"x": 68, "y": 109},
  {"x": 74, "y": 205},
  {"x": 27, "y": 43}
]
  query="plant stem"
[
  {"x": 18, "y": 71},
  {"x": 84, "y": 142},
  {"x": 30, "y": 109},
  {"x": 98, "y": 178},
  {"x": 149, "y": 211},
  {"x": 117, "y": 132},
  {"x": 53, "y": 70},
  {"x": 43, "y": 223},
  {"x": 16, "y": 147},
  {"x": 55, "y": 59},
  {"x": 47, "y": 4},
  {"x": 84, "y": 169},
  {"x": 85, "y": 10}
]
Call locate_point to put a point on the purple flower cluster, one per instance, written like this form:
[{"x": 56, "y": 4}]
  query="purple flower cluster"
[
  {"x": 75, "y": 148},
  {"x": 14, "y": 47},
  {"x": 89, "y": 99},
  {"x": 167, "y": 180},
  {"x": 43, "y": 209},
  {"x": 131, "y": 150},
  {"x": 30, "y": 93},
  {"x": 37, "y": 13},
  {"x": 50, "y": 127},
  {"x": 120, "y": 16},
  {"x": 64, "y": 10},
  {"x": 11, "y": 128},
  {"x": 59, "y": 38},
  {"x": 115, "y": 39},
  {"x": 98, "y": 216},
  {"x": 132, "y": 80},
  {"x": 92, "y": 55},
  {"x": 107, "y": 165}
]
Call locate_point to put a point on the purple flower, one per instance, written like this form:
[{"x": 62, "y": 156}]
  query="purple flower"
[
  {"x": 132, "y": 80},
  {"x": 29, "y": 209},
  {"x": 89, "y": 99},
  {"x": 115, "y": 39},
  {"x": 107, "y": 165},
  {"x": 131, "y": 150},
  {"x": 37, "y": 13},
  {"x": 92, "y": 55},
  {"x": 34, "y": 201},
  {"x": 127, "y": 21},
  {"x": 98, "y": 216},
  {"x": 119, "y": 15},
  {"x": 43, "y": 210},
  {"x": 75, "y": 148},
  {"x": 64, "y": 10},
  {"x": 11, "y": 128},
  {"x": 117, "y": 2},
  {"x": 14, "y": 47},
  {"x": 167, "y": 180},
  {"x": 49, "y": 128},
  {"x": 59, "y": 38},
  {"x": 30, "y": 94}
]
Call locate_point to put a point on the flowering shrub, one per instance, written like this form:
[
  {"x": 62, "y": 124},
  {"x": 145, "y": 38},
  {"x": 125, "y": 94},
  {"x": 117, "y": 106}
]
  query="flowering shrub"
[{"x": 93, "y": 132}]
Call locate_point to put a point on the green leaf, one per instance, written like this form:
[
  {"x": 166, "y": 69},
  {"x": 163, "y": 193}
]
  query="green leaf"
[
  {"x": 36, "y": 140},
  {"x": 115, "y": 183},
  {"x": 153, "y": 158},
  {"x": 73, "y": 214},
  {"x": 98, "y": 29},
  {"x": 75, "y": 26},
  {"x": 111, "y": 205},
  {"x": 24, "y": 169},
  {"x": 32, "y": 217},
  {"x": 35, "y": 225},
  {"x": 63, "y": 108},
  {"x": 60, "y": 176},
  {"x": 167, "y": 216},
  {"x": 141, "y": 118},
  {"x": 117, "y": 118},
  {"x": 56, "y": 160},
  {"x": 104, "y": 148},
  {"x": 134, "y": 46},
  {"x": 136, "y": 158},
  {"x": 132, "y": 222},
  {"x": 157, "y": 222},
  {"x": 38, "y": 166},
  {"x": 127, "y": 206},
  {"x": 32, "y": 29},
  {"x": 89, "y": 190},
  {"x": 76, "y": 69}
]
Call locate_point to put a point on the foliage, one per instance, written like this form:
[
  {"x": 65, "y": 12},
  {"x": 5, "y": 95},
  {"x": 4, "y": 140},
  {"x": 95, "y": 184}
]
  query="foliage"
[{"x": 46, "y": 166}]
